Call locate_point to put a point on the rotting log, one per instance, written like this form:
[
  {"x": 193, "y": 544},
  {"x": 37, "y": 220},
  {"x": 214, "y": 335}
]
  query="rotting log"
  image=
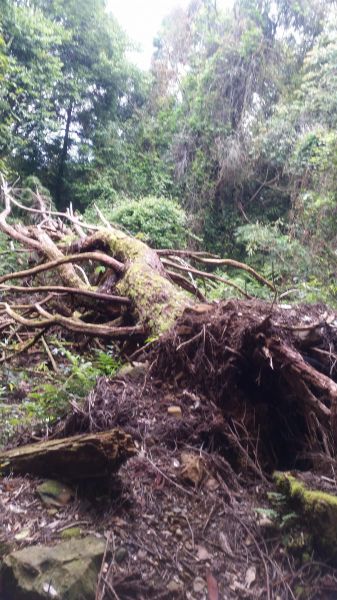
[{"x": 72, "y": 458}]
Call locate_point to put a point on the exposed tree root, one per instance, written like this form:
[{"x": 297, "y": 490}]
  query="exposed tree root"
[
  {"x": 150, "y": 302},
  {"x": 277, "y": 396}
]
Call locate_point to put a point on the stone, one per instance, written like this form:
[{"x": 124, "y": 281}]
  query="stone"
[
  {"x": 174, "y": 411},
  {"x": 71, "y": 532},
  {"x": 67, "y": 571},
  {"x": 174, "y": 586},
  {"x": 192, "y": 468},
  {"x": 133, "y": 370},
  {"x": 54, "y": 493},
  {"x": 199, "y": 584}
]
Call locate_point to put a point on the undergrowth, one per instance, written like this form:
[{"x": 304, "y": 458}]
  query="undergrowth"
[{"x": 48, "y": 395}]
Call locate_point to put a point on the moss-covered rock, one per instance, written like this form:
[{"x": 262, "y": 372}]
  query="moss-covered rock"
[
  {"x": 54, "y": 493},
  {"x": 67, "y": 571},
  {"x": 317, "y": 511}
]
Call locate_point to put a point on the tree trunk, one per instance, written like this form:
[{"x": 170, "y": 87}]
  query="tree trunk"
[{"x": 156, "y": 301}]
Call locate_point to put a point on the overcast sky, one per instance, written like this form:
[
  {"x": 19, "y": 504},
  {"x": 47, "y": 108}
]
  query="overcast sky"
[{"x": 141, "y": 19}]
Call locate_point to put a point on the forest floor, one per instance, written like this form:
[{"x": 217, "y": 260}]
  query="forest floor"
[{"x": 193, "y": 513}]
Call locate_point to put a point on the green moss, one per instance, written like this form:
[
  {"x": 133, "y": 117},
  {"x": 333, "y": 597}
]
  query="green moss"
[
  {"x": 316, "y": 509},
  {"x": 72, "y": 532},
  {"x": 157, "y": 301}
]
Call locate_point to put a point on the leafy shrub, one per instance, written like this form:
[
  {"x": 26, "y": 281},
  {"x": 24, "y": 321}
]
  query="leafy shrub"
[
  {"x": 10, "y": 259},
  {"x": 49, "y": 401},
  {"x": 160, "y": 222},
  {"x": 271, "y": 249}
]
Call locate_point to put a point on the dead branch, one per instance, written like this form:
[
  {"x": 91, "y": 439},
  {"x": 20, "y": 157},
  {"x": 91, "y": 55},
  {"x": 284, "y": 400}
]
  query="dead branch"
[
  {"x": 74, "y": 325},
  {"x": 74, "y": 458},
  {"x": 228, "y": 262},
  {"x": 96, "y": 256},
  {"x": 9, "y": 229},
  {"x": 67, "y": 290},
  {"x": 204, "y": 275},
  {"x": 67, "y": 215},
  {"x": 214, "y": 260},
  {"x": 31, "y": 342},
  {"x": 187, "y": 285}
]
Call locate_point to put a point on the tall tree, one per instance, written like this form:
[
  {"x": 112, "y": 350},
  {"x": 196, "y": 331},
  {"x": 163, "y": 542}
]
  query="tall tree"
[{"x": 71, "y": 80}]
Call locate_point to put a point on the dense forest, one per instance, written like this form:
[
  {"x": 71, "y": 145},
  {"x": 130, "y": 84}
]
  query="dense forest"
[
  {"x": 168, "y": 324},
  {"x": 229, "y": 140}
]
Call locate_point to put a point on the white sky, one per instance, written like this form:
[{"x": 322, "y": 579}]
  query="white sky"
[{"x": 141, "y": 19}]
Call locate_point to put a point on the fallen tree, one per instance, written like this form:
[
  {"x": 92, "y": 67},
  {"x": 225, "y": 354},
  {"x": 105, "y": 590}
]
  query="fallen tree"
[
  {"x": 153, "y": 284},
  {"x": 270, "y": 370}
]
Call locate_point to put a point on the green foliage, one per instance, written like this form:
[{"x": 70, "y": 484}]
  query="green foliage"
[
  {"x": 271, "y": 248},
  {"x": 50, "y": 401},
  {"x": 158, "y": 221},
  {"x": 11, "y": 257},
  {"x": 68, "y": 80},
  {"x": 279, "y": 514},
  {"x": 236, "y": 121},
  {"x": 33, "y": 42}
]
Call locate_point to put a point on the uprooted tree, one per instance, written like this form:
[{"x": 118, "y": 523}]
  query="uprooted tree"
[{"x": 270, "y": 370}]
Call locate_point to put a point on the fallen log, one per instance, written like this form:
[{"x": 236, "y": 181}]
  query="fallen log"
[{"x": 72, "y": 458}]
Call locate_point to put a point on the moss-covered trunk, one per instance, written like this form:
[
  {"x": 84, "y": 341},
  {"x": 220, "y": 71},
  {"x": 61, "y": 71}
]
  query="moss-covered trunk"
[{"x": 156, "y": 301}]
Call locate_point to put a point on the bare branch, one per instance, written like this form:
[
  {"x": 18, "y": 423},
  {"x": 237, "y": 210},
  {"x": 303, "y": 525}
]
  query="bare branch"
[
  {"x": 228, "y": 262},
  {"x": 31, "y": 342},
  {"x": 68, "y": 216},
  {"x": 213, "y": 260},
  {"x": 97, "y": 256},
  {"x": 67, "y": 290},
  {"x": 204, "y": 275},
  {"x": 187, "y": 285},
  {"x": 8, "y": 229},
  {"x": 74, "y": 325}
]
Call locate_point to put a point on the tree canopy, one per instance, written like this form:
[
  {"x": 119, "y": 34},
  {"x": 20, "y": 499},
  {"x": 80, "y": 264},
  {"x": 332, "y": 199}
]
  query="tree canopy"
[{"x": 235, "y": 120}]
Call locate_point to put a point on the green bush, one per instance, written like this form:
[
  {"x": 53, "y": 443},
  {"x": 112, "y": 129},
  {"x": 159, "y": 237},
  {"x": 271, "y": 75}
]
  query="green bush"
[{"x": 160, "y": 222}]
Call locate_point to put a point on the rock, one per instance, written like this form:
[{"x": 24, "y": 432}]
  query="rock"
[
  {"x": 5, "y": 548},
  {"x": 203, "y": 553},
  {"x": 72, "y": 532},
  {"x": 250, "y": 576},
  {"x": 174, "y": 586},
  {"x": 67, "y": 571},
  {"x": 54, "y": 493},
  {"x": 133, "y": 371},
  {"x": 192, "y": 468},
  {"x": 174, "y": 411},
  {"x": 199, "y": 584}
]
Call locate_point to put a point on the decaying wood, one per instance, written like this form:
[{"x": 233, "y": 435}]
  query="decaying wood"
[{"x": 73, "y": 458}]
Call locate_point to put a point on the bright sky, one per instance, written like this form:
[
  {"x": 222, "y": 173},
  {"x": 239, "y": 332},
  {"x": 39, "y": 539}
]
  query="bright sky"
[{"x": 141, "y": 19}]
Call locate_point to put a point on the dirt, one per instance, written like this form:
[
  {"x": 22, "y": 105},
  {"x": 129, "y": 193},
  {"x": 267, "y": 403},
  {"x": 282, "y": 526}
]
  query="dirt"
[{"x": 211, "y": 414}]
